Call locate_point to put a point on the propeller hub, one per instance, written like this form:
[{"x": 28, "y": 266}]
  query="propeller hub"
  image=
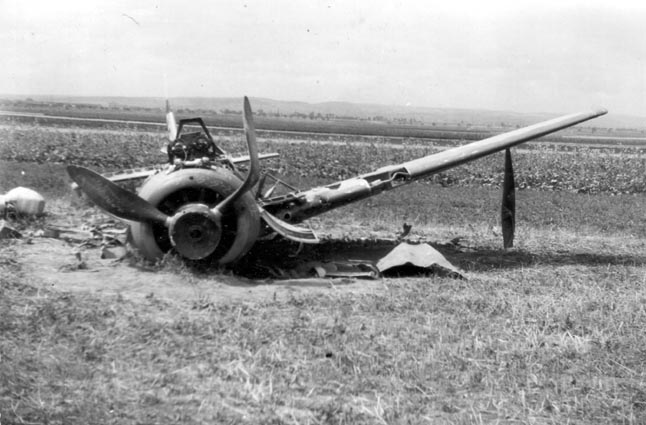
[{"x": 195, "y": 231}]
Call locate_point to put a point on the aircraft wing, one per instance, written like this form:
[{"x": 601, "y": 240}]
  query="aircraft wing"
[
  {"x": 456, "y": 156},
  {"x": 245, "y": 158},
  {"x": 126, "y": 175}
]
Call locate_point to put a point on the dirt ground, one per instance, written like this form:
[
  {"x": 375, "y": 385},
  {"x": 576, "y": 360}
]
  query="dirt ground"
[
  {"x": 55, "y": 264},
  {"x": 273, "y": 269}
]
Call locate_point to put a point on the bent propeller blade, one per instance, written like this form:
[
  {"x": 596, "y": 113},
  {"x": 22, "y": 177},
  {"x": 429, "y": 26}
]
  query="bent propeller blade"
[
  {"x": 252, "y": 145},
  {"x": 289, "y": 231},
  {"x": 114, "y": 199},
  {"x": 508, "y": 207},
  {"x": 254, "y": 163},
  {"x": 171, "y": 125}
]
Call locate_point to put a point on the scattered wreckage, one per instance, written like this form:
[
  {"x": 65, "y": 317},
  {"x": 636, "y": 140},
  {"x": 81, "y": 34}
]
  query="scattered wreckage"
[
  {"x": 202, "y": 206},
  {"x": 18, "y": 202},
  {"x": 21, "y": 201}
]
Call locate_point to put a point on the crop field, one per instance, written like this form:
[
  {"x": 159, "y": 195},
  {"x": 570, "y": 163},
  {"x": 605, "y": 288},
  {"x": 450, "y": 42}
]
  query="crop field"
[
  {"x": 550, "y": 331},
  {"x": 577, "y": 166}
]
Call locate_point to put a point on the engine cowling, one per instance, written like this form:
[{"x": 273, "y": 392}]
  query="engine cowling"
[{"x": 189, "y": 191}]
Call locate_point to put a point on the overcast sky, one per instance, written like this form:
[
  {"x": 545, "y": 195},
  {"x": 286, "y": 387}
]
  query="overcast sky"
[{"x": 506, "y": 55}]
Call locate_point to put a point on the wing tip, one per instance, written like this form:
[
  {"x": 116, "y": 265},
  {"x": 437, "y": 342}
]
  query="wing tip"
[{"x": 599, "y": 110}]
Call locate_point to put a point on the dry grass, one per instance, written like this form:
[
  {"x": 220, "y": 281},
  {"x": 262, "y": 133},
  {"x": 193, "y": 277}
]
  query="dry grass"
[
  {"x": 521, "y": 346},
  {"x": 550, "y": 332}
]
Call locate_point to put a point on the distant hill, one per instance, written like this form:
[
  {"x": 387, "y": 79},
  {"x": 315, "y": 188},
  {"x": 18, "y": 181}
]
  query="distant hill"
[{"x": 426, "y": 115}]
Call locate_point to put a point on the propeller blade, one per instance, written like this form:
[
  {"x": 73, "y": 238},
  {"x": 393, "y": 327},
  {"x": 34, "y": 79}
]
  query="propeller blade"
[
  {"x": 170, "y": 122},
  {"x": 508, "y": 207},
  {"x": 289, "y": 231},
  {"x": 114, "y": 199},
  {"x": 254, "y": 162}
]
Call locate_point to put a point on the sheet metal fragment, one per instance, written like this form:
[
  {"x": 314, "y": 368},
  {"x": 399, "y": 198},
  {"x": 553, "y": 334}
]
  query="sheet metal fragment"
[
  {"x": 7, "y": 232},
  {"x": 423, "y": 256},
  {"x": 350, "y": 269}
]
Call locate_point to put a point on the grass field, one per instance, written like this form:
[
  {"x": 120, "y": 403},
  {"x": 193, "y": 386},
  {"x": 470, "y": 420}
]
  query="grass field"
[{"x": 550, "y": 331}]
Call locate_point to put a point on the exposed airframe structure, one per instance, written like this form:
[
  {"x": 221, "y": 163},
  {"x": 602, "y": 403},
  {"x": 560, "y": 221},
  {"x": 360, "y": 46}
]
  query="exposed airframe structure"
[{"x": 202, "y": 206}]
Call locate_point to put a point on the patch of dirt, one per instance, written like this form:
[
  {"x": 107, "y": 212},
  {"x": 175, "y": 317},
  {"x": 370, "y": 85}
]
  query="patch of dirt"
[
  {"x": 275, "y": 269},
  {"x": 59, "y": 265}
]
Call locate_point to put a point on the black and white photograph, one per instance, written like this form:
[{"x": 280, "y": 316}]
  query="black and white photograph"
[{"x": 322, "y": 212}]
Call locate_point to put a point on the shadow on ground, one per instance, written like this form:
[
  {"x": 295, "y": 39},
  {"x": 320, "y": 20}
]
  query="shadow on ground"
[
  {"x": 271, "y": 258},
  {"x": 483, "y": 259}
]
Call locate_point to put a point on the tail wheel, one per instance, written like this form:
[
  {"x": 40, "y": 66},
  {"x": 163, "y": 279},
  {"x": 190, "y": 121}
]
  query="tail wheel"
[{"x": 196, "y": 186}]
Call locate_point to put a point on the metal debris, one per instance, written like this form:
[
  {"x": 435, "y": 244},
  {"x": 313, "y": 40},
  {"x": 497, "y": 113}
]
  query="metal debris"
[
  {"x": 79, "y": 263},
  {"x": 21, "y": 201},
  {"x": 422, "y": 256},
  {"x": 66, "y": 233},
  {"x": 7, "y": 232},
  {"x": 95, "y": 236},
  {"x": 406, "y": 228},
  {"x": 113, "y": 252},
  {"x": 336, "y": 269}
]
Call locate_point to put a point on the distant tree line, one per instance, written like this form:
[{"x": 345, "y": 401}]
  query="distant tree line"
[{"x": 226, "y": 116}]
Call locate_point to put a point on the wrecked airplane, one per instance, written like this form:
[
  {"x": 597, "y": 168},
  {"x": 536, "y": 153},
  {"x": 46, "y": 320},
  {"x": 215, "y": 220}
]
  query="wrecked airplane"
[{"x": 202, "y": 206}]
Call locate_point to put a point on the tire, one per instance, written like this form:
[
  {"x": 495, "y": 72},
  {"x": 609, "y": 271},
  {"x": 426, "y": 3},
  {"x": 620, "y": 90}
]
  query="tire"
[{"x": 168, "y": 192}]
